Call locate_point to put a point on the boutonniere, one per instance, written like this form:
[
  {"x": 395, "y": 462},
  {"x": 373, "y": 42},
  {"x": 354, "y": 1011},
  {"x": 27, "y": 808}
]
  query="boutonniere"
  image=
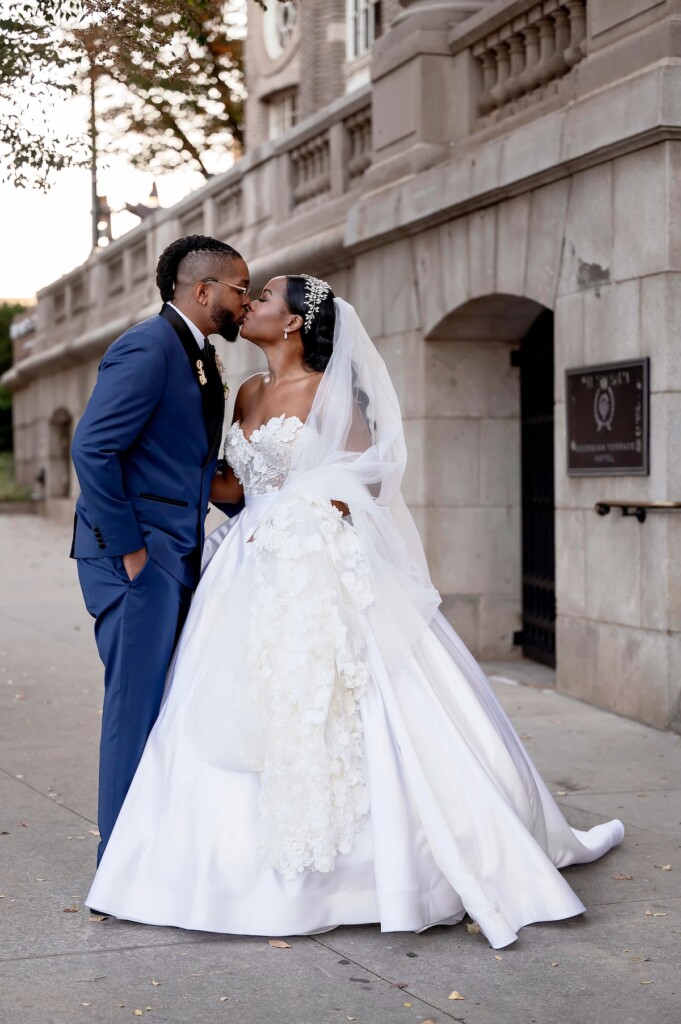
[
  {"x": 220, "y": 366},
  {"x": 202, "y": 373}
]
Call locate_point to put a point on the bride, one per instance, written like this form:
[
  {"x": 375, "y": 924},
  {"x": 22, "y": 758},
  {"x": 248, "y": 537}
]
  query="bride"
[{"x": 328, "y": 751}]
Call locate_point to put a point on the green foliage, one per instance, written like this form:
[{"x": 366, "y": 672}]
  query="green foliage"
[
  {"x": 10, "y": 490},
  {"x": 7, "y": 312},
  {"x": 176, "y": 67},
  {"x": 36, "y": 71},
  {"x": 186, "y": 104}
]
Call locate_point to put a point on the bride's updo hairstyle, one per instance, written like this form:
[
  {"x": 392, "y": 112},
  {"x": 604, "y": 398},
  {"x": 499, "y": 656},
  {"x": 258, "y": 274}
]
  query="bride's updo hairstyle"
[{"x": 319, "y": 318}]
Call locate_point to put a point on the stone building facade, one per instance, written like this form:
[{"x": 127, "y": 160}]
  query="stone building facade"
[{"x": 495, "y": 185}]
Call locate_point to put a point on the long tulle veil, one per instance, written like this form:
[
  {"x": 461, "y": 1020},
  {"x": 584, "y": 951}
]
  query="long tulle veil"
[{"x": 354, "y": 451}]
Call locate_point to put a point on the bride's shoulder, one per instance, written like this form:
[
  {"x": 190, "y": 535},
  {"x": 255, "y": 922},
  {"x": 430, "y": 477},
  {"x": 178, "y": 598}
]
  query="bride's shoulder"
[
  {"x": 247, "y": 393},
  {"x": 253, "y": 383}
]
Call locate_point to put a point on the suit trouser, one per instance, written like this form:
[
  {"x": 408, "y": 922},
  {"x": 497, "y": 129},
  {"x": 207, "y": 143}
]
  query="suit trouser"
[{"x": 137, "y": 623}]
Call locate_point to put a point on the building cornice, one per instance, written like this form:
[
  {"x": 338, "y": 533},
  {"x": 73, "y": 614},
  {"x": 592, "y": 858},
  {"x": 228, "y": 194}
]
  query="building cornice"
[{"x": 484, "y": 171}]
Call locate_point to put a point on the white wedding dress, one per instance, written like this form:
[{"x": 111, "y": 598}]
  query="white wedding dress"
[{"x": 456, "y": 817}]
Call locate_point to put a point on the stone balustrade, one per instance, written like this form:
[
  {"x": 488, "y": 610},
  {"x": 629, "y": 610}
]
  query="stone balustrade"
[
  {"x": 311, "y": 169},
  {"x": 358, "y": 127},
  {"x": 525, "y": 56}
]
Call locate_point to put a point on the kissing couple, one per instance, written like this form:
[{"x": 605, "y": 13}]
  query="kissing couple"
[{"x": 293, "y": 736}]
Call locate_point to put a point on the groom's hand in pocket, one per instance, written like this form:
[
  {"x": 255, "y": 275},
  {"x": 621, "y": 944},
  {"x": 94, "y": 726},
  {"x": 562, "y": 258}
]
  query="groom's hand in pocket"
[{"x": 135, "y": 562}]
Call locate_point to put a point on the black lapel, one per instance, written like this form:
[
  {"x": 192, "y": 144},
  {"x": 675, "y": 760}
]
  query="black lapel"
[
  {"x": 216, "y": 401},
  {"x": 212, "y": 396}
]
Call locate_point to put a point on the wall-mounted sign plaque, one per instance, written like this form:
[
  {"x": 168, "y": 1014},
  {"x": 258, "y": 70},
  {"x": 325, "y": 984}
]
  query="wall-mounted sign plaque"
[{"x": 608, "y": 419}]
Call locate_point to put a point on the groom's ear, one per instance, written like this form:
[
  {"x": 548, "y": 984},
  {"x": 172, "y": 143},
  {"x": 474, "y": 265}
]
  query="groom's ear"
[{"x": 200, "y": 291}]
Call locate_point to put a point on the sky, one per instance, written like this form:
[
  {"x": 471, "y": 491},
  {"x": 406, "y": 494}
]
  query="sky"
[{"x": 45, "y": 235}]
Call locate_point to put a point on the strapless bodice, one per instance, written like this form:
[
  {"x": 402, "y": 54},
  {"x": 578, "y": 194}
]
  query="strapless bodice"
[{"x": 262, "y": 461}]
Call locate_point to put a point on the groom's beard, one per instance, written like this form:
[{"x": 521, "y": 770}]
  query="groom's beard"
[{"x": 226, "y": 324}]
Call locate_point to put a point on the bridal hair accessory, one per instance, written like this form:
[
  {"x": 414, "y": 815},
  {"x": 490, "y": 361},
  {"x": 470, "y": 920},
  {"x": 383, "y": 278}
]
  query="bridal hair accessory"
[{"x": 316, "y": 291}]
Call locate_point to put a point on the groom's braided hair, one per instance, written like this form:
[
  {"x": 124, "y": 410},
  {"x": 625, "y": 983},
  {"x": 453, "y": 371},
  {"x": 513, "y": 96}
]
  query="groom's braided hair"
[{"x": 172, "y": 256}]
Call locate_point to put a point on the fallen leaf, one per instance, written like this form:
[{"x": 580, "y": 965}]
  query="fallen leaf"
[
  {"x": 497, "y": 957},
  {"x": 24, "y": 824},
  {"x": 659, "y": 913},
  {"x": 279, "y": 944},
  {"x": 429, "y": 1021},
  {"x": 95, "y": 832},
  {"x": 408, "y": 1005},
  {"x": 561, "y": 792},
  {"x": 154, "y": 982},
  {"x": 623, "y": 878},
  {"x": 455, "y": 995},
  {"x": 71, "y": 910},
  {"x": 223, "y": 999},
  {"x": 398, "y": 984},
  {"x": 97, "y": 917},
  {"x": 412, "y": 955},
  {"x": 641, "y": 959},
  {"x": 148, "y": 1007},
  {"x": 664, "y": 867},
  {"x": 86, "y": 1004},
  {"x": 554, "y": 963},
  {"x": 473, "y": 929},
  {"x": 138, "y": 1013},
  {"x": 645, "y": 982}
]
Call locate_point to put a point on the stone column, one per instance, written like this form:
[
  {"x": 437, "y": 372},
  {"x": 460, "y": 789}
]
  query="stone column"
[{"x": 411, "y": 64}]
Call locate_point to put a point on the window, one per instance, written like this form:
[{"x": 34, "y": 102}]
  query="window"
[
  {"x": 364, "y": 26},
  {"x": 281, "y": 113}
]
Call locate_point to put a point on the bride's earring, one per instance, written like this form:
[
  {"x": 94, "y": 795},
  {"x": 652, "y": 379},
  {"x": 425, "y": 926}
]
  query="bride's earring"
[{"x": 285, "y": 335}]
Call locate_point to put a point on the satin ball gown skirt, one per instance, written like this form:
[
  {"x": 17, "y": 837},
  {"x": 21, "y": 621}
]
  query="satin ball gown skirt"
[{"x": 460, "y": 820}]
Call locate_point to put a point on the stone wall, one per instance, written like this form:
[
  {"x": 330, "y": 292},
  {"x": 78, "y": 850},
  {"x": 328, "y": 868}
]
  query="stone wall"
[{"x": 561, "y": 194}]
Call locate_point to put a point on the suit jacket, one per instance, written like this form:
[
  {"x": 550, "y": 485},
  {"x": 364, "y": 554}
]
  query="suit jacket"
[{"x": 145, "y": 450}]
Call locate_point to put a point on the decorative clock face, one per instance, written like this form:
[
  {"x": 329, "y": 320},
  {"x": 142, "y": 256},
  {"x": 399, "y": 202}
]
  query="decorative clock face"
[{"x": 279, "y": 22}]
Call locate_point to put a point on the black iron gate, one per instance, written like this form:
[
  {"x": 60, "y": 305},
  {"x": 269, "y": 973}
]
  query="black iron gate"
[{"x": 538, "y": 635}]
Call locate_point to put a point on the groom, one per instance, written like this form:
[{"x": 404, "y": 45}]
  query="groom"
[{"x": 145, "y": 453}]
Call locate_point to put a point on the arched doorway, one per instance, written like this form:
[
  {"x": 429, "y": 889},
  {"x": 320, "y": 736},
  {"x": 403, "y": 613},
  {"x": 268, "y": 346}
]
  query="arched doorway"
[
  {"x": 535, "y": 360},
  {"x": 488, "y": 449},
  {"x": 59, "y": 468}
]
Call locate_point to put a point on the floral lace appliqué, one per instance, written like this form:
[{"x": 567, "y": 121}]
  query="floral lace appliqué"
[
  {"x": 262, "y": 461},
  {"x": 308, "y": 669}
]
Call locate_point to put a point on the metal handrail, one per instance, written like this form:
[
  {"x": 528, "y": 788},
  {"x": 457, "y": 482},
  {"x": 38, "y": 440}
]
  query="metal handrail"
[{"x": 638, "y": 509}]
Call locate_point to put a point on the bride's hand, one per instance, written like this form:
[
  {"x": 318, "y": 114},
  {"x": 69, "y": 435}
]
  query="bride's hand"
[{"x": 342, "y": 507}]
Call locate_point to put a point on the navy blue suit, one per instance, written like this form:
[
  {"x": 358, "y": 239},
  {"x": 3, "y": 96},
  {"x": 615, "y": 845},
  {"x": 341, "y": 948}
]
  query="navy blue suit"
[{"x": 145, "y": 453}]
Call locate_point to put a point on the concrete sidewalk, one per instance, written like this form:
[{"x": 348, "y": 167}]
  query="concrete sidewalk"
[{"x": 617, "y": 964}]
